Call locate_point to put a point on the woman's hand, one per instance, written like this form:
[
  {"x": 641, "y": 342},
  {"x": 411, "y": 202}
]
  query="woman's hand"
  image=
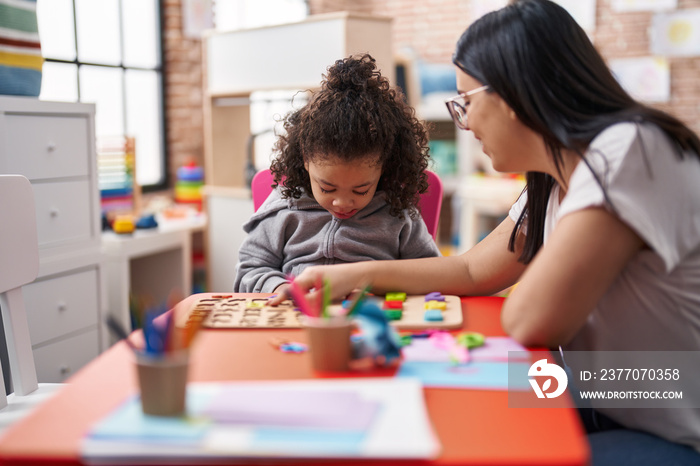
[{"x": 342, "y": 279}]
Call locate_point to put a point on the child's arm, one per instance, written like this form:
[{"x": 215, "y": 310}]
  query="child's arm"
[
  {"x": 257, "y": 278},
  {"x": 260, "y": 261}
]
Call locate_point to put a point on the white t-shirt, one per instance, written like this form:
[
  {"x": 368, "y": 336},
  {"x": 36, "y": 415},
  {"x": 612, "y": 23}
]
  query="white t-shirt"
[{"x": 654, "y": 305}]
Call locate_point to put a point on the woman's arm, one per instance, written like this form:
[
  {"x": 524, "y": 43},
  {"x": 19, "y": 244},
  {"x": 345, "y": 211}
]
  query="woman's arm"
[
  {"x": 485, "y": 269},
  {"x": 585, "y": 254}
]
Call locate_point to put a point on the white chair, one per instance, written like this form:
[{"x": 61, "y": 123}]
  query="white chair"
[{"x": 19, "y": 265}]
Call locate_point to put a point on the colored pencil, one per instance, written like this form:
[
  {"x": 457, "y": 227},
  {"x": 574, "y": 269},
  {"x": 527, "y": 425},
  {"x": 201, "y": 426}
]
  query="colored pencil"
[
  {"x": 359, "y": 298},
  {"x": 191, "y": 329},
  {"x": 318, "y": 302},
  {"x": 326, "y": 298},
  {"x": 116, "y": 328},
  {"x": 299, "y": 298}
]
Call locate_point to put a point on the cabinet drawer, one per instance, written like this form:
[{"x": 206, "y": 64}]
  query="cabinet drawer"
[
  {"x": 58, "y": 361},
  {"x": 47, "y": 146},
  {"x": 63, "y": 304},
  {"x": 62, "y": 212}
]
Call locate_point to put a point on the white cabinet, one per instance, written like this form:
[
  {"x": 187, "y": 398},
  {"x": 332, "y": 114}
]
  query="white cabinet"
[{"x": 53, "y": 145}]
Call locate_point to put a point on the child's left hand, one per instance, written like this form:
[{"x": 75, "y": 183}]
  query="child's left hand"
[{"x": 282, "y": 293}]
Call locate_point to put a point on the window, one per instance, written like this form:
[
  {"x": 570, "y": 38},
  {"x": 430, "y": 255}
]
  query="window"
[{"x": 108, "y": 52}]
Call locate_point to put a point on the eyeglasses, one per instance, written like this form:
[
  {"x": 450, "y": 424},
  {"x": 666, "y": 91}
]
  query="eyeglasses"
[{"x": 458, "y": 111}]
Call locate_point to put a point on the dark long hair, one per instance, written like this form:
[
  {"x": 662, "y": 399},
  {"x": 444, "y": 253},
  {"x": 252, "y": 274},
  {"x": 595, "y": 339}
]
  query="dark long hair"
[
  {"x": 356, "y": 113},
  {"x": 535, "y": 56}
]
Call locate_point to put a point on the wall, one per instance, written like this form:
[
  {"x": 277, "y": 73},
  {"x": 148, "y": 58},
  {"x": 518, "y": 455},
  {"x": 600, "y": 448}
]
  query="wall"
[
  {"x": 431, "y": 28},
  {"x": 625, "y": 35},
  {"x": 183, "y": 91}
]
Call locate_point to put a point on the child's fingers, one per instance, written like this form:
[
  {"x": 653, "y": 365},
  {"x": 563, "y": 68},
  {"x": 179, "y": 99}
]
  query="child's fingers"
[{"x": 281, "y": 294}]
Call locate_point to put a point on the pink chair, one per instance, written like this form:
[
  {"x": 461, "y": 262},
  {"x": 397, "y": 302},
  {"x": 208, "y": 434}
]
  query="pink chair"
[
  {"x": 429, "y": 205},
  {"x": 261, "y": 187},
  {"x": 431, "y": 202}
]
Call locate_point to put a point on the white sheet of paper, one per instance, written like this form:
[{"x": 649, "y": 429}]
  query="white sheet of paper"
[
  {"x": 402, "y": 428},
  {"x": 646, "y": 78},
  {"x": 399, "y": 427},
  {"x": 676, "y": 34}
]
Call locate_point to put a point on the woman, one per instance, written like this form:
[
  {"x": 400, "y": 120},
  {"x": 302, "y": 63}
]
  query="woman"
[{"x": 604, "y": 241}]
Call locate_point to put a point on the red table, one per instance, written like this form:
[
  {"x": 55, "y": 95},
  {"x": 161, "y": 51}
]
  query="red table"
[{"x": 475, "y": 427}]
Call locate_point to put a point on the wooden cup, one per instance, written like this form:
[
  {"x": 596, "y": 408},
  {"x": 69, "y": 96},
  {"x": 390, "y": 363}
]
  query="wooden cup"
[
  {"x": 163, "y": 383},
  {"x": 329, "y": 343}
]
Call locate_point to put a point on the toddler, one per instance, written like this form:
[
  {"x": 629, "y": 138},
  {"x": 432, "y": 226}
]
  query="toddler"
[{"x": 349, "y": 173}]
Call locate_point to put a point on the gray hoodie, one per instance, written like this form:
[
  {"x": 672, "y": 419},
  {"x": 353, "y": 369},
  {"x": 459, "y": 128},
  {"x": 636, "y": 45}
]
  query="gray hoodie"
[{"x": 287, "y": 235}]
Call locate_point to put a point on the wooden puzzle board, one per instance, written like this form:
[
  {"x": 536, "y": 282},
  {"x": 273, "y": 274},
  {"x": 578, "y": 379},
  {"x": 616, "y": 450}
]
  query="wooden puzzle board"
[{"x": 236, "y": 312}]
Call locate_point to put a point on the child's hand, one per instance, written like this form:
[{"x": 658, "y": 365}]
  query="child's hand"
[{"x": 281, "y": 293}]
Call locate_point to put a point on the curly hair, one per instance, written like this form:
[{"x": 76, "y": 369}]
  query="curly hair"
[{"x": 356, "y": 113}]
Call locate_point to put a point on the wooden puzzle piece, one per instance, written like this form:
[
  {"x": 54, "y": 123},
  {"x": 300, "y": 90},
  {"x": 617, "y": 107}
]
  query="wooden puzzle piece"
[{"x": 238, "y": 311}]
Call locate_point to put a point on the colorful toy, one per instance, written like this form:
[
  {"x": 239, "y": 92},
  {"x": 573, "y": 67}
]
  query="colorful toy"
[
  {"x": 441, "y": 305},
  {"x": 116, "y": 166},
  {"x": 393, "y": 304},
  {"x": 433, "y": 315},
  {"x": 188, "y": 188},
  {"x": 379, "y": 339},
  {"x": 216, "y": 310},
  {"x": 471, "y": 339},
  {"x": 434, "y": 296},
  {"x": 123, "y": 224},
  {"x": 458, "y": 354},
  {"x": 395, "y": 296},
  {"x": 147, "y": 222}
]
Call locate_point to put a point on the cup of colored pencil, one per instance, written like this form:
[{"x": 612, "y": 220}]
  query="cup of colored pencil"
[
  {"x": 163, "y": 382},
  {"x": 329, "y": 343},
  {"x": 328, "y": 333},
  {"x": 162, "y": 364}
]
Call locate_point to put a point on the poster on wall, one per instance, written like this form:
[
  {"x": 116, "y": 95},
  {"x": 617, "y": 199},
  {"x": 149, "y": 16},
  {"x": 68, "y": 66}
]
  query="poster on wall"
[
  {"x": 647, "y": 79},
  {"x": 643, "y": 5},
  {"x": 676, "y": 34},
  {"x": 197, "y": 17}
]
